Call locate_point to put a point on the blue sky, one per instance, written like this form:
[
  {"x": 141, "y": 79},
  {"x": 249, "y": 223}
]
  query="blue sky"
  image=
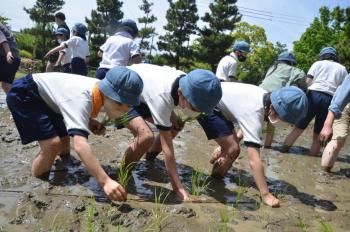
[{"x": 284, "y": 20}]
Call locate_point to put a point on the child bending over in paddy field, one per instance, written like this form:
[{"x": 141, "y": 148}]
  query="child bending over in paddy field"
[
  {"x": 49, "y": 107},
  {"x": 249, "y": 105},
  {"x": 79, "y": 48},
  {"x": 164, "y": 89}
]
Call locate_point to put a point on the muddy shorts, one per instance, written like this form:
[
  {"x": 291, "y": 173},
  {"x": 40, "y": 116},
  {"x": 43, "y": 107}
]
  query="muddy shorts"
[
  {"x": 215, "y": 125},
  {"x": 137, "y": 111},
  {"x": 318, "y": 109},
  {"x": 8, "y": 71},
  {"x": 101, "y": 73},
  {"x": 79, "y": 66},
  {"x": 34, "y": 119},
  {"x": 341, "y": 125}
]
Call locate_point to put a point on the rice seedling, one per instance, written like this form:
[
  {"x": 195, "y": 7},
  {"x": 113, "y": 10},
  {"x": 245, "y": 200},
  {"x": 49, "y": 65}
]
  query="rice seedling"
[
  {"x": 54, "y": 227},
  {"x": 224, "y": 219},
  {"x": 90, "y": 212},
  {"x": 121, "y": 121},
  {"x": 199, "y": 182},
  {"x": 325, "y": 226},
  {"x": 300, "y": 223},
  {"x": 124, "y": 173},
  {"x": 158, "y": 214}
]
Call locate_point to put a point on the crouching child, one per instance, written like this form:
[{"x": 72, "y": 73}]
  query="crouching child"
[{"x": 49, "y": 107}]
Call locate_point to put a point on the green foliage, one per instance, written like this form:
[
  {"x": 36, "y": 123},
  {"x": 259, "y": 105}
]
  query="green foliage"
[
  {"x": 182, "y": 18},
  {"x": 147, "y": 31},
  {"x": 90, "y": 212},
  {"x": 199, "y": 182},
  {"x": 4, "y": 20},
  {"x": 215, "y": 38},
  {"x": 262, "y": 56},
  {"x": 331, "y": 28},
  {"x": 300, "y": 223},
  {"x": 25, "y": 41},
  {"x": 325, "y": 226},
  {"x": 123, "y": 173},
  {"x": 158, "y": 214},
  {"x": 103, "y": 22},
  {"x": 225, "y": 218},
  {"x": 25, "y": 54},
  {"x": 42, "y": 13}
]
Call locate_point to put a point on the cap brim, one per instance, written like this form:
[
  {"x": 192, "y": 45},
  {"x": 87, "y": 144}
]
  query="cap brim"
[{"x": 107, "y": 89}]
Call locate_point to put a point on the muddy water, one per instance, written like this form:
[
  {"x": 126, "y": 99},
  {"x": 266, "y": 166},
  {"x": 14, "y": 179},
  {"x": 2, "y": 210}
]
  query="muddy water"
[{"x": 309, "y": 198}]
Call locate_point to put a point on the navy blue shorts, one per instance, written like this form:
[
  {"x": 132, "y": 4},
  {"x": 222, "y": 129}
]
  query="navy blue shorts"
[
  {"x": 318, "y": 108},
  {"x": 34, "y": 119},
  {"x": 8, "y": 71},
  {"x": 101, "y": 73},
  {"x": 215, "y": 125},
  {"x": 79, "y": 66}
]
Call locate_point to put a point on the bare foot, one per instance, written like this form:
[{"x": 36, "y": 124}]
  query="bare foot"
[
  {"x": 221, "y": 167},
  {"x": 269, "y": 200}
]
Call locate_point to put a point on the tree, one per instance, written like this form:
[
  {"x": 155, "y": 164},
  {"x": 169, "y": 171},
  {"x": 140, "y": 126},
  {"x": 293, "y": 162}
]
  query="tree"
[
  {"x": 263, "y": 54},
  {"x": 103, "y": 22},
  {"x": 215, "y": 38},
  {"x": 147, "y": 31},
  {"x": 42, "y": 13},
  {"x": 331, "y": 28},
  {"x": 4, "y": 20},
  {"x": 182, "y": 19}
]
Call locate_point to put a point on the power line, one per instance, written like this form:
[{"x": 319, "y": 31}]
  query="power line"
[
  {"x": 272, "y": 20},
  {"x": 270, "y": 15}
]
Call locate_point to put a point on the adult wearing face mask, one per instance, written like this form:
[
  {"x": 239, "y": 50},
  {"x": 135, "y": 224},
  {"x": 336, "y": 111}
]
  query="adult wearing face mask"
[
  {"x": 227, "y": 67},
  {"x": 249, "y": 106}
]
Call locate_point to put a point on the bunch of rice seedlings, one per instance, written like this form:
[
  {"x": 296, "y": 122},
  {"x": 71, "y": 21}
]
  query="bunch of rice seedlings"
[
  {"x": 199, "y": 182},
  {"x": 124, "y": 173}
]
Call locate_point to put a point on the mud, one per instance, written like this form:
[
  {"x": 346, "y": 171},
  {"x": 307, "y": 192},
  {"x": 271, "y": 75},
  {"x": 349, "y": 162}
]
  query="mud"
[{"x": 71, "y": 200}]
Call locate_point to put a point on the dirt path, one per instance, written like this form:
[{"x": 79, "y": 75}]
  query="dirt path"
[{"x": 311, "y": 200}]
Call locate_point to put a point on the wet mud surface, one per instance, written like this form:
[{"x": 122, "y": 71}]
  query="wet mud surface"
[{"x": 71, "y": 200}]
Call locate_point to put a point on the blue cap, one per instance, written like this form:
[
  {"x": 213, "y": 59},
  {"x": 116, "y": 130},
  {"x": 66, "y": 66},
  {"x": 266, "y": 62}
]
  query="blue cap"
[
  {"x": 79, "y": 28},
  {"x": 328, "y": 50},
  {"x": 122, "y": 85},
  {"x": 62, "y": 31},
  {"x": 130, "y": 25},
  {"x": 290, "y": 103},
  {"x": 287, "y": 56},
  {"x": 242, "y": 46},
  {"x": 202, "y": 90}
]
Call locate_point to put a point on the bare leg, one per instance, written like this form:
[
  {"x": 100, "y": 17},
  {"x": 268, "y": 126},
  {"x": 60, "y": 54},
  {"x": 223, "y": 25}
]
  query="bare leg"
[
  {"x": 291, "y": 138},
  {"x": 143, "y": 139},
  {"x": 270, "y": 131},
  {"x": 223, "y": 157},
  {"x": 49, "y": 67},
  {"x": 156, "y": 147},
  {"x": 330, "y": 154},
  {"x": 49, "y": 149},
  {"x": 239, "y": 135},
  {"x": 316, "y": 145},
  {"x": 259, "y": 177},
  {"x": 6, "y": 87}
]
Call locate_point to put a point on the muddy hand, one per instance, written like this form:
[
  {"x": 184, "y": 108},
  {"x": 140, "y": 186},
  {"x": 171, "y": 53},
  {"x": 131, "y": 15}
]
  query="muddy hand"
[
  {"x": 325, "y": 135},
  {"x": 96, "y": 127},
  {"x": 183, "y": 194},
  {"x": 114, "y": 191},
  {"x": 269, "y": 200}
]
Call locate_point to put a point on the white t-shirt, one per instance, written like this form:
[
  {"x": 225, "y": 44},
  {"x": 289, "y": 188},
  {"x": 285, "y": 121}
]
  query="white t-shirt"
[
  {"x": 118, "y": 50},
  {"x": 227, "y": 67},
  {"x": 328, "y": 75},
  {"x": 67, "y": 56},
  {"x": 156, "y": 93},
  {"x": 78, "y": 46},
  {"x": 244, "y": 103},
  {"x": 69, "y": 95}
]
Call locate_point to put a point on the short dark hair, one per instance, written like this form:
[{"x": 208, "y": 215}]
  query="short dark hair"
[{"x": 60, "y": 15}]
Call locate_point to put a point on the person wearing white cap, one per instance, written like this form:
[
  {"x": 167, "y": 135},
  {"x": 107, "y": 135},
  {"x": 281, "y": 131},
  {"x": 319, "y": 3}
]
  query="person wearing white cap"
[
  {"x": 45, "y": 109},
  {"x": 164, "y": 89},
  {"x": 227, "y": 67},
  {"x": 249, "y": 106},
  {"x": 323, "y": 78}
]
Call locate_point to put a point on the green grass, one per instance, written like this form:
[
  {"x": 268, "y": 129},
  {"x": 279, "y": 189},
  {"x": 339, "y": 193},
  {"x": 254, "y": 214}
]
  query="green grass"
[
  {"x": 225, "y": 219},
  {"x": 300, "y": 223},
  {"x": 20, "y": 74},
  {"x": 54, "y": 227},
  {"x": 123, "y": 173},
  {"x": 199, "y": 182},
  {"x": 89, "y": 216},
  {"x": 325, "y": 226},
  {"x": 158, "y": 214}
]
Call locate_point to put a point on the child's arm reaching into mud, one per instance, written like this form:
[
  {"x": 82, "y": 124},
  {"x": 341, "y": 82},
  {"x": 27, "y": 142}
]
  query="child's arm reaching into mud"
[{"x": 112, "y": 188}]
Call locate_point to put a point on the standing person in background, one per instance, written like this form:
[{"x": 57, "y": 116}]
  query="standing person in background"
[
  {"x": 65, "y": 55},
  {"x": 323, "y": 79},
  {"x": 227, "y": 67},
  {"x": 60, "y": 20},
  {"x": 9, "y": 58},
  {"x": 282, "y": 73},
  {"x": 79, "y": 47},
  {"x": 119, "y": 49}
]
